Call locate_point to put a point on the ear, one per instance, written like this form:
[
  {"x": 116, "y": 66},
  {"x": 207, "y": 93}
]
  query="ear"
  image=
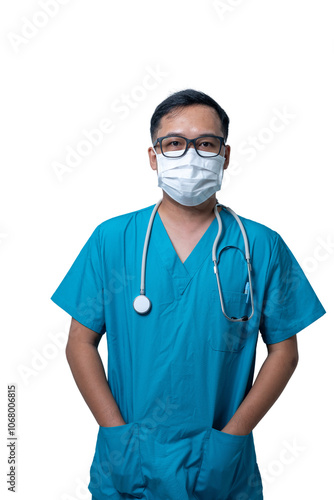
[
  {"x": 227, "y": 156},
  {"x": 152, "y": 158}
]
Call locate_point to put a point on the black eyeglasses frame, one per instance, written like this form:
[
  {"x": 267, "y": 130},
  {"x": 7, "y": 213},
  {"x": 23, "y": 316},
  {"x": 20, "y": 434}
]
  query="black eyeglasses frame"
[{"x": 188, "y": 141}]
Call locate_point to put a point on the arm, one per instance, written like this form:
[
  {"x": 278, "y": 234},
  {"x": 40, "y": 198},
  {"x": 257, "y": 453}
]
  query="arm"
[
  {"x": 273, "y": 376},
  {"x": 89, "y": 375}
]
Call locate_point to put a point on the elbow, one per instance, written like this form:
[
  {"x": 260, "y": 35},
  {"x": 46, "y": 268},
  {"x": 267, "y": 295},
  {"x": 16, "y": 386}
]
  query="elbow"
[
  {"x": 76, "y": 349},
  {"x": 293, "y": 361},
  {"x": 295, "y": 356},
  {"x": 69, "y": 351}
]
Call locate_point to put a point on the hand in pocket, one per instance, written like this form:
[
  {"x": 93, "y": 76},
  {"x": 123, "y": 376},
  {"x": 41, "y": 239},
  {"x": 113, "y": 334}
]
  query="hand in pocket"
[{"x": 220, "y": 465}]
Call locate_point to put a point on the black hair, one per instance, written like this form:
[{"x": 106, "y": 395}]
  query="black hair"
[{"x": 182, "y": 99}]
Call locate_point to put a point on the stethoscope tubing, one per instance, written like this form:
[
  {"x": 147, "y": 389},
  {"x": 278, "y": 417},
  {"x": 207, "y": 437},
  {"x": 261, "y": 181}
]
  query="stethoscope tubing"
[
  {"x": 147, "y": 238},
  {"x": 247, "y": 257},
  {"x": 142, "y": 304}
]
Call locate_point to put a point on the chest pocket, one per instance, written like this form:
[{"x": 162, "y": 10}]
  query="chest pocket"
[{"x": 223, "y": 334}]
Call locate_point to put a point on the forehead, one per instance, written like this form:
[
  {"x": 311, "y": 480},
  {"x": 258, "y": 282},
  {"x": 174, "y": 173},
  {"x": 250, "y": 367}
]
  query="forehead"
[{"x": 191, "y": 121}]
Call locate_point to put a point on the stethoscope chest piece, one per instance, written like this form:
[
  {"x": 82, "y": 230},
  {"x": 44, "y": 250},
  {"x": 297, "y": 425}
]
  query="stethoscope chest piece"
[{"x": 142, "y": 305}]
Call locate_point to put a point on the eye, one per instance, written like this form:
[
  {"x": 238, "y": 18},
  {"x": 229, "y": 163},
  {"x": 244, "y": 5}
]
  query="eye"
[
  {"x": 208, "y": 144},
  {"x": 205, "y": 144},
  {"x": 173, "y": 143}
]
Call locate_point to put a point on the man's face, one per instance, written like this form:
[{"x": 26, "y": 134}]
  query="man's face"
[{"x": 191, "y": 122}]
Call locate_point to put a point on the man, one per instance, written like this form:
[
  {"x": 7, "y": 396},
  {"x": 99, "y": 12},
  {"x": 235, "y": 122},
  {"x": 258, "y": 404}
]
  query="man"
[{"x": 177, "y": 412}]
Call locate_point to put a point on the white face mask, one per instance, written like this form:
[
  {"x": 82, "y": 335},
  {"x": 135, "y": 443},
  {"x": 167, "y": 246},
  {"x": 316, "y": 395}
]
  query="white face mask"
[{"x": 191, "y": 179}]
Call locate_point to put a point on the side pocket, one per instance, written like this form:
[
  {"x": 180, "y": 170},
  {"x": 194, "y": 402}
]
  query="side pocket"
[
  {"x": 117, "y": 463},
  {"x": 220, "y": 465}
]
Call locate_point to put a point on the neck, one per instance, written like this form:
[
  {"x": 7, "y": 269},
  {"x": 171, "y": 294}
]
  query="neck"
[{"x": 189, "y": 217}]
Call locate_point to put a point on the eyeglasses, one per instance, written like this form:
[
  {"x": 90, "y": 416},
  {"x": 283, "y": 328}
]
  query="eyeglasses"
[{"x": 176, "y": 146}]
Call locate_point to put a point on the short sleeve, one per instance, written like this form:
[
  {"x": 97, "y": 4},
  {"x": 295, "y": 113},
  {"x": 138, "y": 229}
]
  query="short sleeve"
[
  {"x": 290, "y": 303},
  {"x": 80, "y": 293}
]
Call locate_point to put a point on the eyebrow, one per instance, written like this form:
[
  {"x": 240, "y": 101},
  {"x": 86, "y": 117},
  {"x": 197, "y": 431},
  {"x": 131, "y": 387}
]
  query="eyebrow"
[{"x": 171, "y": 134}]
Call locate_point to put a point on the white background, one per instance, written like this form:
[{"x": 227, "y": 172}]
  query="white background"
[{"x": 65, "y": 72}]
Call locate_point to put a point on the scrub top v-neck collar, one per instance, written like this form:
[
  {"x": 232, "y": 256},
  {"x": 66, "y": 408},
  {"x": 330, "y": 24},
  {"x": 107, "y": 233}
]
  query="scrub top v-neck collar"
[{"x": 181, "y": 272}]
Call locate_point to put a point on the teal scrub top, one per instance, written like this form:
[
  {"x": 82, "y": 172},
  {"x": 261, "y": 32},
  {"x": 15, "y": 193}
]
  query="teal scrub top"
[{"x": 179, "y": 373}]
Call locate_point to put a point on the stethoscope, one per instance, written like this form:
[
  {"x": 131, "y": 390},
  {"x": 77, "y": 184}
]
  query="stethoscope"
[{"x": 142, "y": 304}]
